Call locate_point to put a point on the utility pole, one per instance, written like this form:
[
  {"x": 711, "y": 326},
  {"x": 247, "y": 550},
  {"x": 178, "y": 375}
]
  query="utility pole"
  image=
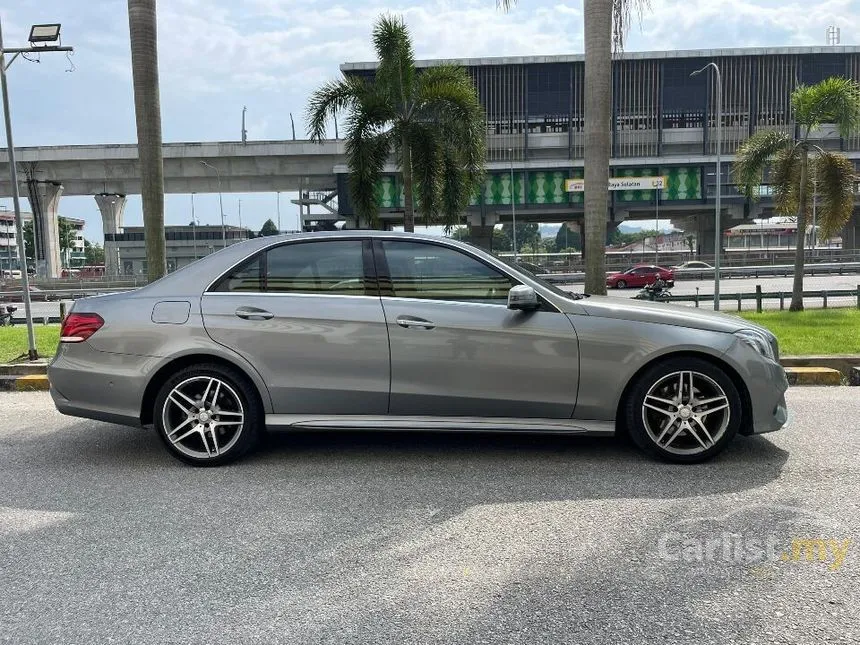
[
  {"x": 244, "y": 131},
  {"x": 38, "y": 34}
]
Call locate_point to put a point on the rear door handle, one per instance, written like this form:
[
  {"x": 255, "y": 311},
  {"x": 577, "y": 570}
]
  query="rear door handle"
[
  {"x": 411, "y": 322},
  {"x": 253, "y": 313}
]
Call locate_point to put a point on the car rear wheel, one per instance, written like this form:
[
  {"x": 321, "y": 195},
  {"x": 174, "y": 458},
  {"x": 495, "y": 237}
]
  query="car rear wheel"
[
  {"x": 621, "y": 284},
  {"x": 208, "y": 415},
  {"x": 684, "y": 410}
]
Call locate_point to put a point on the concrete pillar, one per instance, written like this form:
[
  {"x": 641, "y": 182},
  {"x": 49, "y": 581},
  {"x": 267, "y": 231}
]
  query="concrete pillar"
[
  {"x": 611, "y": 227},
  {"x": 705, "y": 235},
  {"x": 111, "y": 208},
  {"x": 45, "y": 203},
  {"x": 481, "y": 236}
]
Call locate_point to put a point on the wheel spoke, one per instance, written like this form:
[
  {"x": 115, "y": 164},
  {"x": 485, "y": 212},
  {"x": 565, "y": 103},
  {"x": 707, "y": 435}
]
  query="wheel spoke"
[
  {"x": 667, "y": 427},
  {"x": 680, "y": 387},
  {"x": 215, "y": 395},
  {"x": 204, "y": 440},
  {"x": 228, "y": 413},
  {"x": 218, "y": 424},
  {"x": 668, "y": 413},
  {"x": 672, "y": 438},
  {"x": 188, "y": 401},
  {"x": 193, "y": 430},
  {"x": 214, "y": 440},
  {"x": 690, "y": 391},
  {"x": 704, "y": 429},
  {"x": 180, "y": 426},
  {"x": 714, "y": 409},
  {"x": 695, "y": 435},
  {"x": 206, "y": 391}
]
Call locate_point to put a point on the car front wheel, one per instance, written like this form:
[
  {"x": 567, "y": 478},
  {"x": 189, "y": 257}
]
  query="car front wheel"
[
  {"x": 684, "y": 410},
  {"x": 621, "y": 284},
  {"x": 208, "y": 415}
]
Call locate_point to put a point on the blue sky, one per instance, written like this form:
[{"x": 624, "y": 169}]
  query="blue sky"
[{"x": 218, "y": 55}]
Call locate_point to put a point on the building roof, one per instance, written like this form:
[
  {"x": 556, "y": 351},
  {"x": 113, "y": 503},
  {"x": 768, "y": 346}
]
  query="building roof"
[
  {"x": 578, "y": 58},
  {"x": 9, "y": 216}
]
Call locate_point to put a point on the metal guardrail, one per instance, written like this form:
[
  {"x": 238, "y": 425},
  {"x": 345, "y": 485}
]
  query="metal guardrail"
[
  {"x": 760, "y": 296},
  {"x": 786, "y": 270}
]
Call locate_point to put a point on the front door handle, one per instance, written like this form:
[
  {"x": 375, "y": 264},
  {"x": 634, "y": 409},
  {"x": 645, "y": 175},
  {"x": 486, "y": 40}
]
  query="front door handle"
[
  {"x": 253, "y": 313},
  {"x": 411, "y": 322}
]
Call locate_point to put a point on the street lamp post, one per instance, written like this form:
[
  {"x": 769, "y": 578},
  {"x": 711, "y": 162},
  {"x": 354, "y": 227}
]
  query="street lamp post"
[
  {"x": 220, "y": 202},
  {"x": 513, "y": 200},
  {"x": 193, "y": 226},
  {"x": 718, "y": 206},
  {"x": 38, "y": 34}
]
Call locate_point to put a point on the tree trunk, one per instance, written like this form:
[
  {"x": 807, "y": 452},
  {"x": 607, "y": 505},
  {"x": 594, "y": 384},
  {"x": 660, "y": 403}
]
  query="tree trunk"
[
  {"x": 143, "y": 31},
  {"x": 598, "y": 109},
  {"x": 797, "y": 286},
  {"x": 408, "y": 203}
]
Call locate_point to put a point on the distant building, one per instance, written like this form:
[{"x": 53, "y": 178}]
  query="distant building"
[
  {"x": 71, "y": 257},
  {"x": 184, "y": 245},
  {"x": 766, "y": 236}
]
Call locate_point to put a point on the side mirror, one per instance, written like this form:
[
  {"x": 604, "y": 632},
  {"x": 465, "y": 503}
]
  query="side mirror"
[{"x": 522, "y": 297}]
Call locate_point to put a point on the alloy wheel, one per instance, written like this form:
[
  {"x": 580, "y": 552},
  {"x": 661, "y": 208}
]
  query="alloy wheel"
[
  {"x": 203, "y": 417},
  {"x": 686, "y": 412}
]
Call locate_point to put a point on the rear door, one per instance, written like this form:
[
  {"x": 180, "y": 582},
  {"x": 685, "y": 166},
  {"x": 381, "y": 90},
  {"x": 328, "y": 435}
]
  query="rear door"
[{"x": 308, "y": 316}]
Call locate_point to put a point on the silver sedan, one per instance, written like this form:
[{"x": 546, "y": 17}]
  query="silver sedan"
[{"x": 394, "y": 331}]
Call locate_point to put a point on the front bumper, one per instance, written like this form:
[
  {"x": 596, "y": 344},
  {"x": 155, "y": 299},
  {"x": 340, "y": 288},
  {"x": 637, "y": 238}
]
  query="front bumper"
[{"x": 767, "y": 387}]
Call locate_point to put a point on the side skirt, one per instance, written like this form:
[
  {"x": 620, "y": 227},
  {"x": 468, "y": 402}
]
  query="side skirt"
[{"x": 454, "y": 424}]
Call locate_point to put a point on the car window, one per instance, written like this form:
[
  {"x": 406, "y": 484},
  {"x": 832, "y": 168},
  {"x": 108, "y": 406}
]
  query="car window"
[
  {"x": 328, "y": 267},
  {"x": 247, "y": 277},
  {"x": 423, "y": 270}
]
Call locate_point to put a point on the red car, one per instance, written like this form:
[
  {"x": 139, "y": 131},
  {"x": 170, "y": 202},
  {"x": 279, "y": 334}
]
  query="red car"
[{"x": 639, "y": 276}]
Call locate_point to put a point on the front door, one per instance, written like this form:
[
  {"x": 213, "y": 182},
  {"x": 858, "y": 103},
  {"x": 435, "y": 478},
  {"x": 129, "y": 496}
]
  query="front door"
[
  {"x": 307, "y": 316},
  {"x": 457, "y": 350}
]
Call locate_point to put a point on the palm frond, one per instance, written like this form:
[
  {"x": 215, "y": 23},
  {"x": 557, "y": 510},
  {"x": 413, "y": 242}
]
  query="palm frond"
[
  {"x": 331, "y": 98},
  {"x": 396, "y": 70},
  {"x": 753, "y": 156},
  {"x": 622, "y": 10},
  {"x": 505, "y": 5},
  {"x": 446, "y": 96},
  {"x": 837, "y": 100},
  {"x": 785, "y": 180},
  {"x": 457, "y": 187},
  {"x": 835, "y": 178},
  {"x": 427, "y": 166},
  {"x": 368, "y": 144}
]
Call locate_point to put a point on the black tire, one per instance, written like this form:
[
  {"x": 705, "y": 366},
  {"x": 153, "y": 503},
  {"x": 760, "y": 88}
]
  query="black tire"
[
  {"x": 253, "y": 421},
  {"x": 632, "y": 408},
  {"x": 621, "y": 284}
]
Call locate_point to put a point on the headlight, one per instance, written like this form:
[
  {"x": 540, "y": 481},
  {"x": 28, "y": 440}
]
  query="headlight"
[{"x": 757, "y": 341}]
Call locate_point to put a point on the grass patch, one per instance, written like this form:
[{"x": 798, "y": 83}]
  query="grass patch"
[
  {"x": 13, "y": 341},
  {"x": 815, "y": 331}
]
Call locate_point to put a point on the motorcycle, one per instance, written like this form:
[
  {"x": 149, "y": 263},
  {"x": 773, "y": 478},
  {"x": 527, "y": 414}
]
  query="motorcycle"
[
  {"x": 655, "y": 292},
  {"x": 6, "y": 316}
]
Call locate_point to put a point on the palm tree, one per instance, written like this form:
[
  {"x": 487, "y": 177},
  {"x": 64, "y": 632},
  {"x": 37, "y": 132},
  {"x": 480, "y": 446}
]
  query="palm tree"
[
  {"x": 605, "y": 27},
  {"x": 432, "y": 120},
  {"x": 143, "y": 31},
  {"x": 795, "y": 160}
]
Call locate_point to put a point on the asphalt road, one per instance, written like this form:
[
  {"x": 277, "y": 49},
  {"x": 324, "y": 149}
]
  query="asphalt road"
[{"x": 421, "y": 538}]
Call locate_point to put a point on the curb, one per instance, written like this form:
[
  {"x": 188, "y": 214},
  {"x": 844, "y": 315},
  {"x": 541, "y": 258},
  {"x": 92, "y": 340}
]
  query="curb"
[
  {"x": 813, "y": 376},
  {"x": 32, "y": 383}
]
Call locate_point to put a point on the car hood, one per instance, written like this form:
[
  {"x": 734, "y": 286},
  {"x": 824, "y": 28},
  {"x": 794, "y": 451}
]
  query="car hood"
[{"x": 664, "y": 314}]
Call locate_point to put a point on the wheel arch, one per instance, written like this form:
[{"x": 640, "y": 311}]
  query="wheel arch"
[
  {"x": 731, "y": 372},
  {"x": 187, "y": 360}
]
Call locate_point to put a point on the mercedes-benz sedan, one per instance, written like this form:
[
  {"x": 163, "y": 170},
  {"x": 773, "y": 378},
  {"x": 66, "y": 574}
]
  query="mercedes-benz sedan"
[{"x": 394, "y": 331}]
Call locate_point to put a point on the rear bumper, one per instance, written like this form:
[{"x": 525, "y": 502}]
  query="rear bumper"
[
  {"x": 65, "y": 406},
  {"x": 98, "y": 385}
]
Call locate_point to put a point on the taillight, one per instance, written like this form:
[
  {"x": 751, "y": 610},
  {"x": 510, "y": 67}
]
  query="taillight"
[{"x": 78, "y": 327}]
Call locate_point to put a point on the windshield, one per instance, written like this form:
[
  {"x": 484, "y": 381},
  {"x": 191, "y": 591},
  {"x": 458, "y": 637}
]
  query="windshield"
[{"x": 545, "y": 284}]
